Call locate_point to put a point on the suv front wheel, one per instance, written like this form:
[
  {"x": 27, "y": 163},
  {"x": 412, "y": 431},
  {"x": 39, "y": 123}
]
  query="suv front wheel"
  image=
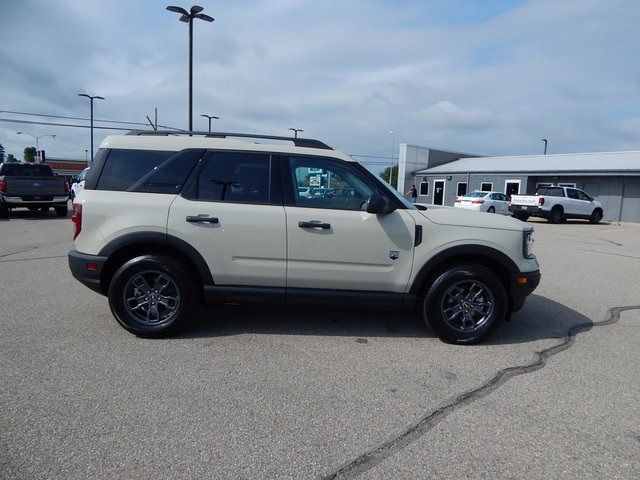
[
  {"x": 152, "y": 295},
  {"x": 465, "y": 304}
]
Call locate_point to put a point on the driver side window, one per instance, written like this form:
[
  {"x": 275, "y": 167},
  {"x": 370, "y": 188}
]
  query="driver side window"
[{"x": 324, "y": 183}]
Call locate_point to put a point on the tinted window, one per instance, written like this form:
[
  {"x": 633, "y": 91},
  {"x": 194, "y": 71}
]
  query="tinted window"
[
  {"x": 333, "y": 184},
  {"x": 583, "y": 196},
  {"x": 424, "y": 188},
  {"x": 123, "y": 168},
  {"x": 486, "y": 187},
  {"x": 462, "y": 189},
  {"x": 236, "y": 177},
  {"x": 26, "y": 170},
  {"x": 169, "y": 176},
  {"x": 550, "y": 191},
  {"x": 571, "y": 193}
]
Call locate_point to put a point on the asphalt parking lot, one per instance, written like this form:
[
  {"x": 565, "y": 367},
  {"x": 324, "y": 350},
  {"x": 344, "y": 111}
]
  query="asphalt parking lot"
[{"x": 288, "y": 393}]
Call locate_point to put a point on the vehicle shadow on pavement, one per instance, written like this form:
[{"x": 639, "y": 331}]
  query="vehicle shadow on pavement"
[
  {"x": 540, "y": 318},
  {"x": 35, "y": 215}
]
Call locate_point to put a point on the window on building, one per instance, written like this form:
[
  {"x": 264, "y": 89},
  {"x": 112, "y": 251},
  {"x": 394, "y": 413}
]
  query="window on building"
[
  {"x": 543, "y": 184},
  {"x": 486, "y": 186},
  {"x": 462, "y": 189},
  {"x": 424, "y": 188},
  {"x": 570, "y": 185}
]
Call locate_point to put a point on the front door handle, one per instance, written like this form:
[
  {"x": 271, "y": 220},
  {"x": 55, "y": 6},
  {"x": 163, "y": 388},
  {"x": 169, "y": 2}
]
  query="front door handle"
[
  {"x": 202, "y": 219},
  {"x": 315, "y": 224}
]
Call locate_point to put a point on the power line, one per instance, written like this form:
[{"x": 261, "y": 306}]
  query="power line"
[
  {"x": 31, "y": 122},
  {"x": 81, "y": 118}
]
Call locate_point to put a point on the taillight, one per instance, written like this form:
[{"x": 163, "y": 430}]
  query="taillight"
[
  {"x": 540, "y": 201},
  {"x": 76, "y": 219},
  {"x": 66, "y": 187},
  {"x": 3, "y": 186},
  {"x": 477, "y": 202}
]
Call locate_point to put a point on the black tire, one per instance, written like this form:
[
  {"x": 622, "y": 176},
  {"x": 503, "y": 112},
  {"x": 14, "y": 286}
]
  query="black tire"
[
  {"x": 491, "y": 210},
  {"x": 596, "y": 216},
  {"x": 179, "y": 286},
  {"x": 438, "y": 299},
  {"x": 522, "y": 216},
  {"x": 556, "y": 215},
  {"x": 62, "y": 211},
  {"x": 4, "y": 211}
]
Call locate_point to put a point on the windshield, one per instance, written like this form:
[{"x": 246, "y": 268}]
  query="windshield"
[{"x": 475, "y": 194}]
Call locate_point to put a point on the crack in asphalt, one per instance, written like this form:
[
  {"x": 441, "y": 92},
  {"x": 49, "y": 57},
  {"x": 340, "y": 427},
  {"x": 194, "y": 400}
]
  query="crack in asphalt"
[
  {"x": 608, "y": 253},
  {"x": 33, "y": 248},
  {"x": 31, "y": 258},
  {"x": 369, "y": 459}
]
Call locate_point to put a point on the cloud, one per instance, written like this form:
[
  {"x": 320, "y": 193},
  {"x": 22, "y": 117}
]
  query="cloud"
[{"x": 486, "y": 77}]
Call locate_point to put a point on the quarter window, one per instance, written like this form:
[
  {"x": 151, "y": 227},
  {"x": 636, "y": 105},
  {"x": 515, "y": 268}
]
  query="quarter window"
[
  {"x": 235, "y": 177},
  {"x": 123, "y": 168},
  {"x": 325, "y": 183}
]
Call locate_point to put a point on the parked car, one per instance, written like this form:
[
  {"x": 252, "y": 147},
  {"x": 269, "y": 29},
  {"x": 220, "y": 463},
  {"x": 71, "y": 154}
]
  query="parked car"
[
  {"x": 158, "y": 230},
  {"x": 557, "y": 204},
  {"x": 490, "y": 202},
  {"x": 32, "y": 186},
  {"x": 78, "y": 184}
]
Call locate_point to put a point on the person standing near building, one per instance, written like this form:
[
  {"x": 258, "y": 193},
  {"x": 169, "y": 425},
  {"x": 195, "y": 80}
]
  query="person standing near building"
[{"x": 414, "y": 193}]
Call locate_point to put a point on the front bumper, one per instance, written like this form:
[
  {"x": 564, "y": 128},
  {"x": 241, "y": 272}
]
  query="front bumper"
[
  {"x": 87, "y": 269},
  {"x": 523, "y": 285}
]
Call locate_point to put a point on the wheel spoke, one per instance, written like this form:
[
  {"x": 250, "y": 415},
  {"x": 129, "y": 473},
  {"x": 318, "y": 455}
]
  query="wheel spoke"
[
  {"x": 467, "y": 305},
  {"x": 151, "y": 297}
]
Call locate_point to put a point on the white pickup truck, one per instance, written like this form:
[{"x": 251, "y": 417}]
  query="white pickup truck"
[{"x": 556, "y": 204}]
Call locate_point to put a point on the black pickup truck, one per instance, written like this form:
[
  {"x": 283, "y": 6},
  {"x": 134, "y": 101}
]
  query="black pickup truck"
[{"x": 32, "y": 186}]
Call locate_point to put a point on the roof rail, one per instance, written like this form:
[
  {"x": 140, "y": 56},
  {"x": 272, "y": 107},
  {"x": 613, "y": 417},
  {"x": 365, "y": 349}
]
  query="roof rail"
[{"x": 298, "y": 142}]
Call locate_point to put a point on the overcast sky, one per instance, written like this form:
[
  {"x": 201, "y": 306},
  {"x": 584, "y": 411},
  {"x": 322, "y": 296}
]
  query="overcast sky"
[{"x": 484, "y": 76}]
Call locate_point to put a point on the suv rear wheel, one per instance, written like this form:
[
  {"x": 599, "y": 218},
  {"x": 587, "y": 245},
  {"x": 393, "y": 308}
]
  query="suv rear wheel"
[
  {"x": 152, "y": 295},
  {"x": 556, "y": 215},
  {"x": 465, "y": 304}
]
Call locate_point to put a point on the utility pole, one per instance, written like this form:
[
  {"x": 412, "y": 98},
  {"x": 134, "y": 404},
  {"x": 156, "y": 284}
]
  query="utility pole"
[{"x": 91, "y": 101}]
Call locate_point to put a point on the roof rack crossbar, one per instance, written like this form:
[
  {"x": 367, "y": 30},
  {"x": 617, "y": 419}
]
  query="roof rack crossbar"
[{"x": 298, "y": 142}]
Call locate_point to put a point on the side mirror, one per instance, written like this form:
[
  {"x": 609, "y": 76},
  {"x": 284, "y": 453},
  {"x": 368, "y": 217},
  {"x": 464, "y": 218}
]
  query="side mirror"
[{"x": 379, "y": 205}]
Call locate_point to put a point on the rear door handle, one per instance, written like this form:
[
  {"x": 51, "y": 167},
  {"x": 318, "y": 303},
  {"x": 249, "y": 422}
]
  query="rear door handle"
[
  {"x": 315, "y": 224},
  {"x": 202, "y": 219}
]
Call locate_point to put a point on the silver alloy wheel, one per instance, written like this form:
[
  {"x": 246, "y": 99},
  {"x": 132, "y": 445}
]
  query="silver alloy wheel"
[
  {"x": 467, "y": 306},
  {"x": 151, "y": 297}
]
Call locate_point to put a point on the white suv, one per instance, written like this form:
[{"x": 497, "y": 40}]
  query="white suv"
[{"x": 166, "y": 222}]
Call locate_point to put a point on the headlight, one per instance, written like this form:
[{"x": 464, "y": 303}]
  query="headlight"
[{"x": 527, "y": 244}]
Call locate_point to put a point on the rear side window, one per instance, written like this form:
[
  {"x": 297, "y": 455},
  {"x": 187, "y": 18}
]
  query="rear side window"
[
  {"x": 122, "y": 168},
  {"x": 235, "y": 177},
  {"x": 550, "y": 191},
  {"x": 169, "y": 176}
]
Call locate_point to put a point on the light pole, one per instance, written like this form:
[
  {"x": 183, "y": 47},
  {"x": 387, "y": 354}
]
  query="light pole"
[
  {"x": 545, "y": 145},
  {"x": 86, "y": 155},
  {"x": 91, "y": 99},
  {"x": 210, "y": 117},
  {"x": 295, "y": 131},
  {"x": 393, "y": 146},
  {"x": 37, "y": 137},
  {"x": 187, "y": 17}
]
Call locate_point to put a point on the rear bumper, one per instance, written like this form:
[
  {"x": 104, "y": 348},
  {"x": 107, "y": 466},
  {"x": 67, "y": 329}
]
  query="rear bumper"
[
  {"x": 87, "y": 269},
  {"x": 534, "y": 211},
  {"x": 523, "y": 285},
  {"x": 35, "y": 201}
]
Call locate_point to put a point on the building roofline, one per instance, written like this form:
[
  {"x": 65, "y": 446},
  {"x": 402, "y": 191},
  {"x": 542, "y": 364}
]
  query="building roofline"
[
  {"x": 557, "y": 154},
  {"x": 472, "y": 155}
]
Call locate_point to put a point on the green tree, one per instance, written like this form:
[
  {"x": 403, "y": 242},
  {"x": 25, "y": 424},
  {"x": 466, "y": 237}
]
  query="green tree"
[
  {"x": 11, "y": 159},
  {"x": 30, "y": 154},
  {"x": 393, "y": 171},
  {"x": 1, "y": 153}
]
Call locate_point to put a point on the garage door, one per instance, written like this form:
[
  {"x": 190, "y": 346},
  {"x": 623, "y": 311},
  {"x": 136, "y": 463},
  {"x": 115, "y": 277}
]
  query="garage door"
[{"x": 630, "y": 203}]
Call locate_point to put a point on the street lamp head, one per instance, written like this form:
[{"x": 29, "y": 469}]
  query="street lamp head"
[
  {"x": 19, "y": 133},
  {"x": 84, "y": 95},
  {"x": 196, "y": 9},
  {"x": 185, "y": 18},
  {"x": 99, "y": 97},
  {"x": 204, "y": 17},
  {"x": 178, "y": 10}
]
